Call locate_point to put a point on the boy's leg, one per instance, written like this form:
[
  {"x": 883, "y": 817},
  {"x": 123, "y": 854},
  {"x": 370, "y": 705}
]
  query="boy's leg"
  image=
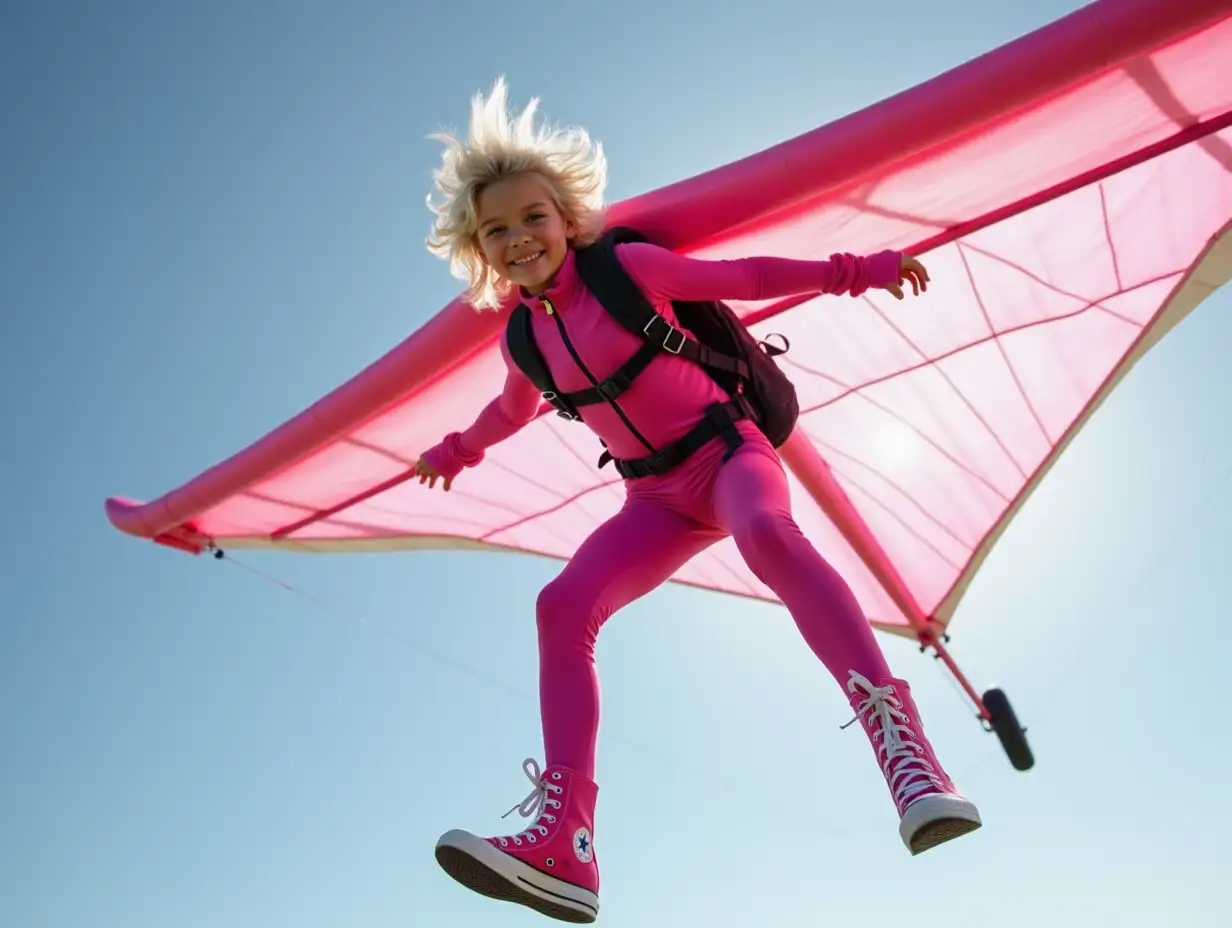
[
  {"x": 630, "y": 555},
  {"x": 551, "y": 865},
  {"x": 752, "y": 502}
]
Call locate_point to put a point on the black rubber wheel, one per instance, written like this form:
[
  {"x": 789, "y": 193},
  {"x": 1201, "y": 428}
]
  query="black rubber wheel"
[{"x": 1013, "y": 737}]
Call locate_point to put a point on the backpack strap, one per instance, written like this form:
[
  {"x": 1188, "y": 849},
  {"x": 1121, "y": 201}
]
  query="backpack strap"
[
  {"x": 520, "y": 339},
  {"x": 605, "y": 277}
]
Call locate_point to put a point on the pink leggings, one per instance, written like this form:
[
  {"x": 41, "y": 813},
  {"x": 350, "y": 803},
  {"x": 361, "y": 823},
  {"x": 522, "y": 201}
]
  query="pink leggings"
[{"x": 664, "y": 522}]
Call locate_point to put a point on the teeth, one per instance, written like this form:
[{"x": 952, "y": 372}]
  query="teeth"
[{"x": 528, "y": 258}]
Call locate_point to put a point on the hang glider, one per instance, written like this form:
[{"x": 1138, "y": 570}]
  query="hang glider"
[{"x": 1072, "y": 191}]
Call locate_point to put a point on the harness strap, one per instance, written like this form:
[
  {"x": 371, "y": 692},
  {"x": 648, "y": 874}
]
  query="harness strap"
[
  {"x": 660, "y": 336},
  {"x": 616, "y": 384},
  {"x": 720, "y": 420}
]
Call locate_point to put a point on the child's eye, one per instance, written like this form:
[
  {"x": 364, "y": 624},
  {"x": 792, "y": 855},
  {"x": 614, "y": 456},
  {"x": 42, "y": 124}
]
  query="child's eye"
[{"x": 495, "y": 230}]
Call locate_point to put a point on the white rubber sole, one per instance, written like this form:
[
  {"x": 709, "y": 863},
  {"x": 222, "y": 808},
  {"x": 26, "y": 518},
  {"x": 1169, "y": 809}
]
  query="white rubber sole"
[
  {"x": 935, "y": 820},
  {"x": 480, "y": 867}
]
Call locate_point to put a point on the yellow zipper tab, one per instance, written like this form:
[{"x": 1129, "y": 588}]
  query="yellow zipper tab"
[{"x": 547, "y": 305}]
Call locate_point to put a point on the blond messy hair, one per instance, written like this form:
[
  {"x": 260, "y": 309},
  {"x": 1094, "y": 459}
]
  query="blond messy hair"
[{"x": 502, "y": 145}]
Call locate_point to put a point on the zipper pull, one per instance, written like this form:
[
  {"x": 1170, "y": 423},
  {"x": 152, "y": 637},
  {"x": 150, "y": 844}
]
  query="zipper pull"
[{"x": 547, "y": 305}]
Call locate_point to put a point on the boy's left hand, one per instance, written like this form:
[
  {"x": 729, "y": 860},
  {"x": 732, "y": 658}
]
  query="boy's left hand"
[{"x": 910, "y": 270}]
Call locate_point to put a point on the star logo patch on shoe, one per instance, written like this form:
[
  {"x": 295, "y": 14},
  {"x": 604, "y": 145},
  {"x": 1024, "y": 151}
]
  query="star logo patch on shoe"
[{"x": 582, "y": 846}]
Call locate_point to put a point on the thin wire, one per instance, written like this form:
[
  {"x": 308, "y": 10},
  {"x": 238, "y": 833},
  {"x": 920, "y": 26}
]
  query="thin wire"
[
  {"x": 389, "y": 633},
  {"x": 328, "y": 606}
]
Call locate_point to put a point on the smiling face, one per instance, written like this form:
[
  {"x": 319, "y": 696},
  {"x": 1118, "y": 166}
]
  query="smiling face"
[{"x": 523, "y": 235}]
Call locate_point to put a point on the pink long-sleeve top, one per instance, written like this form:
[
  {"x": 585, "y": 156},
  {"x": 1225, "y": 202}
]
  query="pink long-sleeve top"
[{"x": 671, "y": 394}]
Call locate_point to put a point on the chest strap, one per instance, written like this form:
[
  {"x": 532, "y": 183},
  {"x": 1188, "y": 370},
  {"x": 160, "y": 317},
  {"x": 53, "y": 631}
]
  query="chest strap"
[{"x": 720, "y": 420}]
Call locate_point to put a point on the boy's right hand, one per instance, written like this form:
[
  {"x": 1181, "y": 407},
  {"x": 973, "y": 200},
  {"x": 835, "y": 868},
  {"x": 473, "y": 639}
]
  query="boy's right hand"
[{"x": 428, "y": 474}]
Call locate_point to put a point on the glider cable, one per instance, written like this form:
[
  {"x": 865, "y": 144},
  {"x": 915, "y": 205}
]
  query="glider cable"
[{"x": 657, "y": 756}]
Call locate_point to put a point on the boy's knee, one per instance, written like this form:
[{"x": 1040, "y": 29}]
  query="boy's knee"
[
  {"x": 552, "y": 604},
  {"x": 564, "y": 611},
  {"x": 766, "y": 531}
]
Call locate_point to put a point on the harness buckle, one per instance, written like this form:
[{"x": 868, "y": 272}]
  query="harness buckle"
[
  {"x": 614, "y": 386},
  {"x": 671, "y": 330},
  {"x": 559, "y": 405}
]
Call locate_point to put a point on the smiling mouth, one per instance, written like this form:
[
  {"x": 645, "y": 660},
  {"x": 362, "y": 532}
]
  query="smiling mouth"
[{"x": 527, "y": 260}]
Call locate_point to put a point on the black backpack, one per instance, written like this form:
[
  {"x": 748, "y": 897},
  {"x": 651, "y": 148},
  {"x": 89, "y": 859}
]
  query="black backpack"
[{"x": 743, "y": 366}]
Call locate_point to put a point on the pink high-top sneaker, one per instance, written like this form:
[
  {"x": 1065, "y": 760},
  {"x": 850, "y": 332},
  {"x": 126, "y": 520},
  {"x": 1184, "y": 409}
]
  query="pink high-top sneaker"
[
  {"x": 551, "y": 866},
  {"x": 930, "y": 808}
]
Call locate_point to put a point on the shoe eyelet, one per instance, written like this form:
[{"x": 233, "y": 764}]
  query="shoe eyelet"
[
  {"x": 556, "y": 775},
  {"x": 550, "y": 862}
]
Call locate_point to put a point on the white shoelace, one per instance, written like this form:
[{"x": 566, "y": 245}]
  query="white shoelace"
[
  {"x": 534, "y": 806},
  {"x": 903, "y": 764}
]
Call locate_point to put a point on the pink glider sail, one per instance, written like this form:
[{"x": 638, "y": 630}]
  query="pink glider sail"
[{"x": 1073, "y": 194}]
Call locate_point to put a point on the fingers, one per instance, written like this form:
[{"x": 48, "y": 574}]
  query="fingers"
[
  {"x": 911, "y": 272},
  {"x": 427, "y": 474},
  {"x": 916, "y": 273}
]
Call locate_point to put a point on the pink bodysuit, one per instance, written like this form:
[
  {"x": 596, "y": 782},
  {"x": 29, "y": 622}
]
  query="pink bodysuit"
[{"x": 666, "y": 520}]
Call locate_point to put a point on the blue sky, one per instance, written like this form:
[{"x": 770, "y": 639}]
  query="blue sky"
[{"x": 190, "y": 190}]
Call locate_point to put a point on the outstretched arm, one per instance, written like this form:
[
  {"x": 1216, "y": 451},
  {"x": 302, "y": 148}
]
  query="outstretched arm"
[
  {"x": 669, "y": 276},
  {"x": 515, "y": 408}
]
